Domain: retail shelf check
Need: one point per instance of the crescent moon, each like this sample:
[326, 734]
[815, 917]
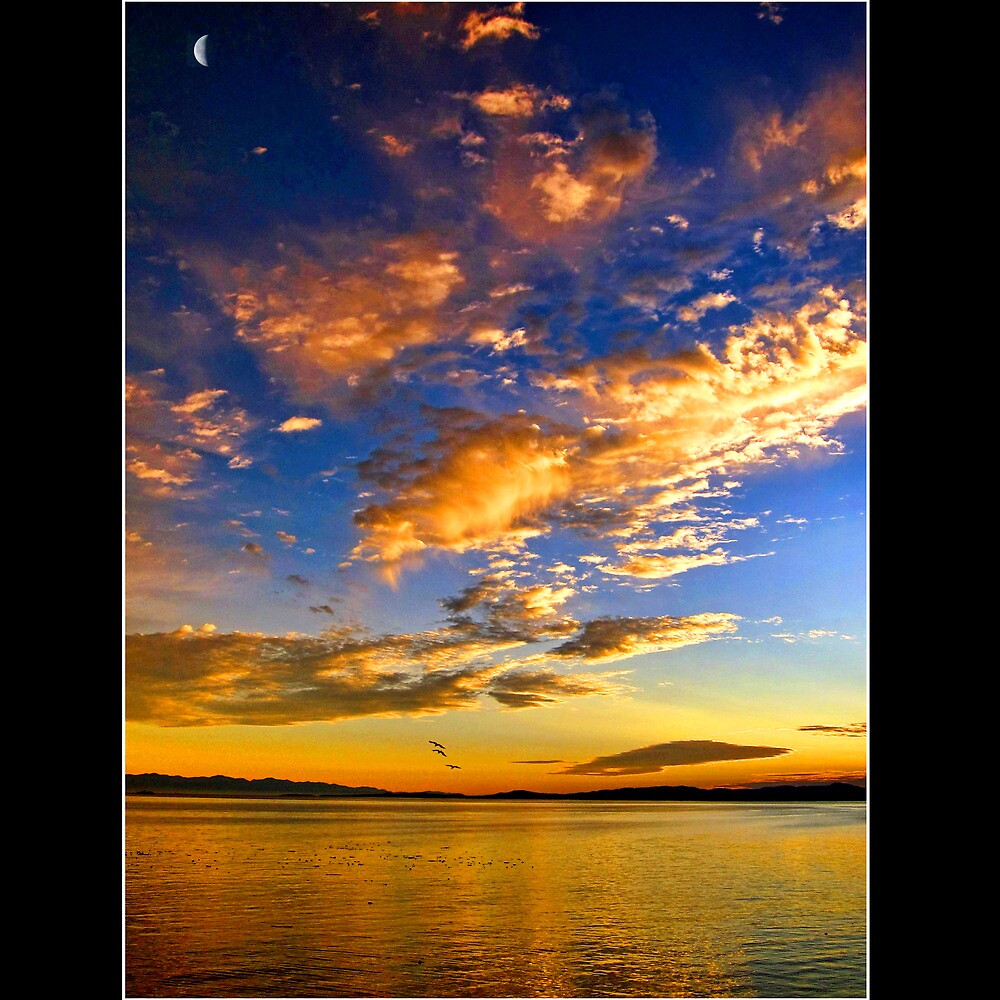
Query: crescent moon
[201, 50]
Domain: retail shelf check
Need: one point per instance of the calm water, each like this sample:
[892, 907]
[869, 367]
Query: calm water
[416, 898]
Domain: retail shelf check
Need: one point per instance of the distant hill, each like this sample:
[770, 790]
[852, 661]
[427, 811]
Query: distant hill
[834, 792]
[221, 786]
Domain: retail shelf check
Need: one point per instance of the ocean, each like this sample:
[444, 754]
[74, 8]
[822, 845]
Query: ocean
[354, 897]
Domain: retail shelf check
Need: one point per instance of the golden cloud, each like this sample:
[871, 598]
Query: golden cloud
[293, 424]
[655, 430]
[496, 25]
[451, 504]
[518, 101]
[611, 638]
[661, 567]
[200, 677]
[318, 321]
[166, 441]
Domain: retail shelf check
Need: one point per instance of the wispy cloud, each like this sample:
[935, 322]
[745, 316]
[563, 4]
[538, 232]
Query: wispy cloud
[496, 25]
[853, 729]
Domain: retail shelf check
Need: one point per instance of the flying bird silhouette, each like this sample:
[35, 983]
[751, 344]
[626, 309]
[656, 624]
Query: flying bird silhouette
[443, 754]
[434, 743]
[454, 767]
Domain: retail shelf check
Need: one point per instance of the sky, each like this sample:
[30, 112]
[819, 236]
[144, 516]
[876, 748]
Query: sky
[495, 375]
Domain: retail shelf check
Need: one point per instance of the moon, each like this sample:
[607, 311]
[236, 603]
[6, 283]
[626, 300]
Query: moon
[201, 50]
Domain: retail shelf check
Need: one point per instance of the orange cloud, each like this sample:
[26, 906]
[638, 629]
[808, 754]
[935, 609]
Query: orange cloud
[496, 25]
[396, 147]
[293, 424]
[166, 441]
[451, 504]
[204, 678]
[518, 101]
[813, 159]
[655, 430]
[610, 638]
[538, 196]
[201, 677]
[320, 321]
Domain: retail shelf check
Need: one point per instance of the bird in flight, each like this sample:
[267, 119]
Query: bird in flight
[454, 767]
[443, 754]
[435, 743]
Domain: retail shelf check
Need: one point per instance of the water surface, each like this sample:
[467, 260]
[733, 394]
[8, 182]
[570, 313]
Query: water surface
[423, 898]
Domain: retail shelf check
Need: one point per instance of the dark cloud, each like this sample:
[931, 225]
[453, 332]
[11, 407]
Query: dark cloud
[853, 729]
[679, 753]
[528, 689]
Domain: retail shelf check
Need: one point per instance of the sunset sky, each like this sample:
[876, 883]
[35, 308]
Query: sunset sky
[495, 375]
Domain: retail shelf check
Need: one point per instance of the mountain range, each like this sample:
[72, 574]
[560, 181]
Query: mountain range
[220, 785]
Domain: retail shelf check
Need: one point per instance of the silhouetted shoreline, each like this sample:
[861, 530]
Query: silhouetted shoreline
[221, 786]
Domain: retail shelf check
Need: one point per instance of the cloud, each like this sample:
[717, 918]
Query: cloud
[649, 433]
[498, 340]
[661, 567]
[517, 101]
[854, 729]
[710, 300]
[342, 313]
[680, 753]
[617, 638]
[533, 688]
[191, 678]
[496, 25]
[285, 537]
[853, 217]
[293, 424]
[813, 777]
[770, 12]
[396, 147]
[564, 197]
[160, 475]
[544, 187]
[496, 644]
[613, 159]
[167, 441]
[447, 503]
[810, 165]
